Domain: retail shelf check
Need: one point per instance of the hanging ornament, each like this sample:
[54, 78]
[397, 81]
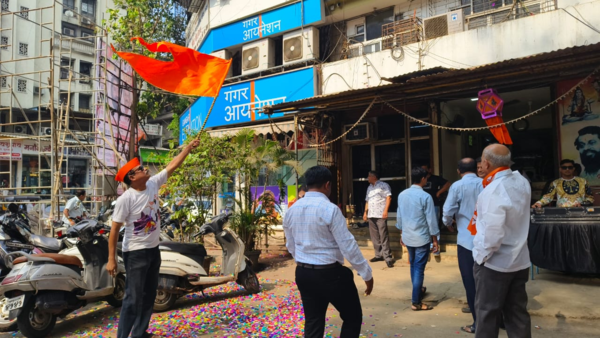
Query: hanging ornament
[490, 106]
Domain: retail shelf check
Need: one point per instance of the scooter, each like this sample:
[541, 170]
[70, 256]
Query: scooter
[185, 267]
[42, 287]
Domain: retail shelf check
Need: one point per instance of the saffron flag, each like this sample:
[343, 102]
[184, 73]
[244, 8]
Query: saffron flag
[190, 72]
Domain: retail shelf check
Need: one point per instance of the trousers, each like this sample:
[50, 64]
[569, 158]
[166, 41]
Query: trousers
[319, 288]
[380, 238]
[465, 265]
[142, 268]
[498, 294]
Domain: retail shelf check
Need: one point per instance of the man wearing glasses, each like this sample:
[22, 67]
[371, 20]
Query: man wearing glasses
[569, 190]
[137, 210]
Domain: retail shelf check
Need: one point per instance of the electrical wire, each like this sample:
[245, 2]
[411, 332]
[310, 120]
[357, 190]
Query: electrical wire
[581, 21]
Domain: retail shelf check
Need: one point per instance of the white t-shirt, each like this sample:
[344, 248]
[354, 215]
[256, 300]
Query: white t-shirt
[75, 207]
[139, 211]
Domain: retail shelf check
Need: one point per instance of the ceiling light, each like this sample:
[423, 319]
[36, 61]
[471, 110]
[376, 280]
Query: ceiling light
[475, 99]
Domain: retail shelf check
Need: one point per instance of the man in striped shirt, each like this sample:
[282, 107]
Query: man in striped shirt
[319, 240]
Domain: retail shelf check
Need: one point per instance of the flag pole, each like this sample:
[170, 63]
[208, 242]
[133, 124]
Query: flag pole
[213, 102]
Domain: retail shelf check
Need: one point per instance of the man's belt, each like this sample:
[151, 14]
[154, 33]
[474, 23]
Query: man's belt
[318, 267]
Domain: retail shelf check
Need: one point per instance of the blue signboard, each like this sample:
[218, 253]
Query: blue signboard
[263, 25]
[242, 102]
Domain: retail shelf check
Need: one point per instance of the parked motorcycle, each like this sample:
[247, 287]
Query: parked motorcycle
[185, 267]
[42, 287]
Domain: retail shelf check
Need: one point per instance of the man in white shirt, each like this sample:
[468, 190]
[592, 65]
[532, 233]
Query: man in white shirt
[74, 208]
[378, 199]
[319, 240]
[137, 209]
[500, 247]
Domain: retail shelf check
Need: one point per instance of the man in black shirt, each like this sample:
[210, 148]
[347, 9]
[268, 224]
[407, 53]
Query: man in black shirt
[436, 186]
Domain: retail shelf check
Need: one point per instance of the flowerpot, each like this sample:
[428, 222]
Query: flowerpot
[253, 257]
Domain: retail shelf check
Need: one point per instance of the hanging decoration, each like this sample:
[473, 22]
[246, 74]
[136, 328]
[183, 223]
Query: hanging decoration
[490, 106]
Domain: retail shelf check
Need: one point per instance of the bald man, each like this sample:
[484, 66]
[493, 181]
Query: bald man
[500, 247]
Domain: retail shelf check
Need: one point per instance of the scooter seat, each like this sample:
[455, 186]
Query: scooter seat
[184, 248]
[58, 258]
[46, 243]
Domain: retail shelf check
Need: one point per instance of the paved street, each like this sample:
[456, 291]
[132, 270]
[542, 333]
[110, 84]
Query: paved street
[561, 306]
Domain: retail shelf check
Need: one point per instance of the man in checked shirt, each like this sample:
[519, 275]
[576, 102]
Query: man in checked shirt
[319, 240]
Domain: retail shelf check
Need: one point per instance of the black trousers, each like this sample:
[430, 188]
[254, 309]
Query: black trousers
[141, 280]
[501, 293]
[318, 288]
[465, 265]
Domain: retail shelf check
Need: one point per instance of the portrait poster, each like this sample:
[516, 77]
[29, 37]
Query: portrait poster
[579, 126]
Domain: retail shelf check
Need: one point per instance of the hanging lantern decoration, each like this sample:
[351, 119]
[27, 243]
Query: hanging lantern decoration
[490, 107]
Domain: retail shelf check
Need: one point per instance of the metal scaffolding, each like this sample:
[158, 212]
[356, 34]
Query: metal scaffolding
[40, 83]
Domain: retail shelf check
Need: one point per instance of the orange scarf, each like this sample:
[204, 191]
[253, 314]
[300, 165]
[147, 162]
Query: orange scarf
[489, 178]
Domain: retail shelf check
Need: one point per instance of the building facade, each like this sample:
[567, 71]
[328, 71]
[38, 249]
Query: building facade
[389, 84]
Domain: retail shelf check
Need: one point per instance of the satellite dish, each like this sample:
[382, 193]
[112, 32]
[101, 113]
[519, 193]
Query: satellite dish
[70, 14]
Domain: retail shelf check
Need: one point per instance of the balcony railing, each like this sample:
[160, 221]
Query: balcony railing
[510, 11]
[401, 32]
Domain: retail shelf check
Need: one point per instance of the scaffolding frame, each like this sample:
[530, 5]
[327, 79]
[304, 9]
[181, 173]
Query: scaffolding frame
[73, 132]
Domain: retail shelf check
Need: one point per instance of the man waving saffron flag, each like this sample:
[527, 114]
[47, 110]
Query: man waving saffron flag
[190, 72]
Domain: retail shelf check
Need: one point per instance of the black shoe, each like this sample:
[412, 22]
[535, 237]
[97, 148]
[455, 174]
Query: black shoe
[376, 259]
[390, 264]
[466, 310]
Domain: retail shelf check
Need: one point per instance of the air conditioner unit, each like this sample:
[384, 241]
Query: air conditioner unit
[355, 51]
[258, 56]
[86, 21]
[45, 131]
[19, 129]
[225, 55]
[442, 25]
[68, 31]
[301, 45]
[371, 47]
[362, 132]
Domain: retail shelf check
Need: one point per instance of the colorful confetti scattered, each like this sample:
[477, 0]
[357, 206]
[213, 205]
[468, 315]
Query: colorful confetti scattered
[226, 310]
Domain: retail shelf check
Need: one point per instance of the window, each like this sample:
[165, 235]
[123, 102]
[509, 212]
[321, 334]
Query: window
[22, 86]
[23, 49]
[65, 66]
[70, 4]
[3, 82]
[24, 12]
[4, 42]
[360, 34]
[86, 33]
[376, 20]
[84, 103]
[87, 6]
[5, 5]
[33, 177]
[85, 71]
[74, 170]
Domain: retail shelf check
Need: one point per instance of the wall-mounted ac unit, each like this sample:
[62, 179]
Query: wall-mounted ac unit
[258, 56]
[86, 21]
[19, 129]
[354, 51]
[442, 25]
[301, 45]
[68, 31]
[362, 132]
[45, 131]
[225, 55]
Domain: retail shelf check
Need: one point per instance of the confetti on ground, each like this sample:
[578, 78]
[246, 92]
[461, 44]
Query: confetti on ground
[226, 310]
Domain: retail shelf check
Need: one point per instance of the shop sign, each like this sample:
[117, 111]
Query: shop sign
[33, 147]
[243, 102]
[152, 129]
[265, 24]
[13, 151]
[89, 172]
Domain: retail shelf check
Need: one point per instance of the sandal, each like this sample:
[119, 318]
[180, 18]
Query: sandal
[421, 307]
[468, 329]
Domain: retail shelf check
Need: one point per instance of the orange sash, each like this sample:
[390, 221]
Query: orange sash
[486, 181]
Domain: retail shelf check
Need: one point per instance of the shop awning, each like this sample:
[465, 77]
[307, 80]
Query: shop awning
[152, 155]
[545, 68]
[265, 128]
